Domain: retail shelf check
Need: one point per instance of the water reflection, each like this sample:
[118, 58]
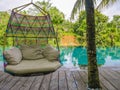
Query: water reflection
[78, 56]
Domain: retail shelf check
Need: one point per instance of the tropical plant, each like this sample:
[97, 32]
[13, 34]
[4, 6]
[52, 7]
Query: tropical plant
[114, 26]
[4, 17]
[101, 22]
[93, 77]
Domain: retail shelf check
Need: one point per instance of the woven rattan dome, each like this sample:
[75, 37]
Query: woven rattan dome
[30, 29]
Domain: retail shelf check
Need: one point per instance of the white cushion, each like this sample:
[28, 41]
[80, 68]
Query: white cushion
[13, 56]
[51, 53]
[33, 66]
[31, 52]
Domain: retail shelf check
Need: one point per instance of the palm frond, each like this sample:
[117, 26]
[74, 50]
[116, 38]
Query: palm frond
[105, 3]
[78, 6]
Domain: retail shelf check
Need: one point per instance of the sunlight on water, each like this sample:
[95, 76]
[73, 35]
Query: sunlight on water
[112, 62]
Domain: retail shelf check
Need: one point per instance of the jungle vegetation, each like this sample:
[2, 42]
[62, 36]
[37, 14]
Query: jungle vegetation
[107, 32]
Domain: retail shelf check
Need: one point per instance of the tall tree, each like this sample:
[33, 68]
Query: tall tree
[93, 77]
[91, 47]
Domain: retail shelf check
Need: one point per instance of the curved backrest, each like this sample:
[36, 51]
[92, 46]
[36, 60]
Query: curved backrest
[29, 29]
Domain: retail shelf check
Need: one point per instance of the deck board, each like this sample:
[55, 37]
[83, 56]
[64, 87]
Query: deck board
[105, 84]
[60, 80]
[54, 81]
[3, 76]
[19, 84]
[111, 79]
[5, 81]
[28, 83]
[115, 77]
[84, 75]
[80, 84]
[46, 82]
[70, 81]
[9, 85]
[37, 83]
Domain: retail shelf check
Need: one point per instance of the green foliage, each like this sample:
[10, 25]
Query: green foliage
[107, 33]
[4, 16]
[56, 16]
[101, 27]
[114, 31]
[80, 28]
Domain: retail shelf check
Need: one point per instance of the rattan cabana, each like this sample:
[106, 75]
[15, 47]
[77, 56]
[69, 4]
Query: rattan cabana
[30, 29]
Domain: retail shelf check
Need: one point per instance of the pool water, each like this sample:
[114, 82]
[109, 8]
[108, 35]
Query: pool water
[1, 61]
[78, 56]
[73, 56]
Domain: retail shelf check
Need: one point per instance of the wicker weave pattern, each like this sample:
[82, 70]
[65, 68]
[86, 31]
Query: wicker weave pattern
[30, 29]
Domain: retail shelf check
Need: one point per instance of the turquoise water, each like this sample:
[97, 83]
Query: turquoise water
[1, 61]
[78, 55]
[1, 57]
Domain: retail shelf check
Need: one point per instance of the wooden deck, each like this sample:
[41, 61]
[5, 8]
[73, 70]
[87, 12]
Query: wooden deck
[60, 80]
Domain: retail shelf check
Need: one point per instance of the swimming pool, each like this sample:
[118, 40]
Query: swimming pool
[1, 61]
[73, 56]
[78, 56]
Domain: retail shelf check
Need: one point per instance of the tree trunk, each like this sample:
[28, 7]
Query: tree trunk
[93, 76]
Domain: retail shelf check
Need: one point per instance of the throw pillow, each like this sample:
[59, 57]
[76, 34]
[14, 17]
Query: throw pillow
[13, 56]
[31, 52]
[51, 53]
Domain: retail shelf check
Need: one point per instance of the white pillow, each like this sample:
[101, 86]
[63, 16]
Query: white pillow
[31, 52]
[51, 53]
[13, 56]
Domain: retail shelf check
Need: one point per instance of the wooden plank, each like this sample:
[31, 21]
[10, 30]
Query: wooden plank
[115, 74]
[118, 71]
[3, 76]
[80, 84]
[19, 83]
[105, 84]
[70, 81]
[111, 74]
[54, 81]
[5, 81]
[62, 81]
[84, 76]
[11, 83]
[28, 83]
[111, 79]
[46, 82]
[37, 83]
[101, 84]
[1, 73]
